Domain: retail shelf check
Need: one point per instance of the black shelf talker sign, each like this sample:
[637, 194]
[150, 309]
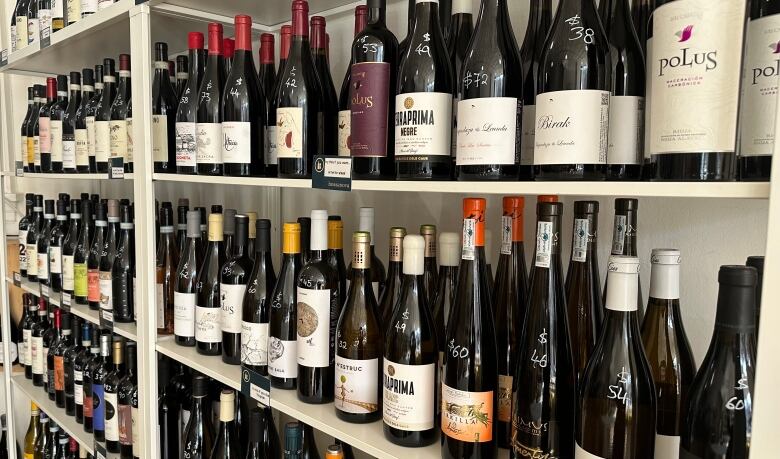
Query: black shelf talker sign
[256, 386]
[45, 37]
[116, 167]
[106, 319]
[17, 279]
[332, 173]
[19, 168]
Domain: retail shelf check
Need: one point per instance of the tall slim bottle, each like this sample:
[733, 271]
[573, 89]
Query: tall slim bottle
[118, 128]
[282, 327]
[539, 19]
[95, 253]
[187, 111]
[198, 435]
[100, 371]
[431, 276]
[81, 255]
[543, 390]
[69, 124]
[185, 296]
[126, 392]
[328, 98]
[33, 431]
[33, 232]
[336, 253]
[108, 254]
[227, 443]
[123, 271]
[163, 113]
[394, 275]
[209, 116]
[273, 95]
[167, 261]
[345, 114]
[232, 288]
[257, 303]
[208, 336]
[24, 226]
[111, 391]
[624, 240]
[470, 360]
[449, 258]
[56, 114]
[102, 110]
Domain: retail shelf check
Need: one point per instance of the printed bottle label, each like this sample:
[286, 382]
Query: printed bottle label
[759, 87]
[78, 387]
[369, 98]
[68, 151]
[579, 249]
[93, 285]
[80, 288]
[55, 260]
[272, 153]
[159, 291]
[289, 132]
[626, 129]
[695, 67]
[32, 256]
[468, 252]
[44, 134]
[33, 31]
[89, 6]
[160, 138]
[504, 398]
[112, 421]
[528, 137]
[67, 273]
[580, 453]
[24, 155]
[27, 338]
[666, 446]
[236, 142]
[355, 385]
[118, 139]
[467, 416]
[23, 250]
[345, 120]
[282, 358]
[619, 235]
[56, 140]
[543, 244]
[487, 131]
[254, 343]
[209, 141]
[125, 425]
[184, 314]
[186, 144]
[106, 291]
[21, 32]
[73, 11]
[506, 235]
[313, 327]
[129, 129]
[98, 407]
[90, 124]
[232, 298]
[407, 395]
[37, 355]
[571, 127]
[37, 150]
[207, 325]
[102, 141]
[423, 126]
[43, 265]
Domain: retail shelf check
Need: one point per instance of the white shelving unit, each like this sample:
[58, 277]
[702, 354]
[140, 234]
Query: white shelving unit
[133, 26]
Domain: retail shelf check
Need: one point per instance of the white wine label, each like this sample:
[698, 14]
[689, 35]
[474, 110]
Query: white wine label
[23, 250]
[56, 140]
[571, 127]
[184, 314]
[32, 259]
[112, 416]
[43, 265]
[355, 385]
[506, 235]
[207, 325]
[55, 260]
[78, 387]
[37, 355]
[160, 138]
[73, 11]
[21, 32]
[90, 124]
[487, 131]
[467, 416]
[232, 297]
[528, 137]
[759, 87]
[423, 125]
[69, 154]
[579, 249]
[407, 395]
[254, 343]
[106, 291]
[159, 290]
[282, 358]
[468, 252]
[544, 242]
[102, 141]
[626, 129]
[27, 338]
[236, 142]
[454, 135]
[209, 140]
[23, 150]
[289, 132]
[580, 453]
[89, 6]
[44, 134]
[619, 235]
[504, 398]
[129, 129]
[666, 446]
[33, 30]
[67, 273]
[273, 156]
[648, 100]
[314, 327]
[695, 67]
[345, 120]
[186, 144]
[118, 141]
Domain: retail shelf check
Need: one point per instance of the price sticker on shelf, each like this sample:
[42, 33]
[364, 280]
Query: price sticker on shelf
[19, 168]
[3, 58]
[100, 450]
[65, 301]
[116, 168]
[256, 386]
[45, 37]
[45, 291]
[17, 279]
[106, 319]
[332, 173]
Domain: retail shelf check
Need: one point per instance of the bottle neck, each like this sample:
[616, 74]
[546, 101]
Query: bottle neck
[584, 238]
[377, 12]
[665, 281]
[615, 13]
[548, 249]
[624, 234]
[736, 309]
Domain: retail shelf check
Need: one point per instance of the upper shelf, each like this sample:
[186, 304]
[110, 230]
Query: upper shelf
[41, 176]
[723, 190]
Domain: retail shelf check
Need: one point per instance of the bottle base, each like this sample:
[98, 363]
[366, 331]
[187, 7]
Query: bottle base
[568, 172]
[489, 173]
[695, 167]
[410, 439]
[755, 168]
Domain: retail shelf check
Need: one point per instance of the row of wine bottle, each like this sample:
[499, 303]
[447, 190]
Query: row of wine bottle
[470, 104]
[45, 439]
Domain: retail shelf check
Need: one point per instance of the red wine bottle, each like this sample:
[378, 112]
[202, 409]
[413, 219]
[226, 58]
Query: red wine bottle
[228, 52]
[123, 271]
[163, 113]
[33, 133]
[69, 124]
[490, 93]
[56, 113]
[85, 162]
[372, 101]
[284, 51]
[345, 115]
[267, 74]
[243, 109]
[209, 118]
[182, 74]
[460, 35]
[758, 263]
[300, 122]
[330, 102]
[118, 132]
[44, 128]
[187, 111]
[103, 117]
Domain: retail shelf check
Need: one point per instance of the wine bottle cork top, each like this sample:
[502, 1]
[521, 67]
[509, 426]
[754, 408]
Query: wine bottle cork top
[449, 249]
[665, 257]
[195, 40]
[547, 198]
[414, 255]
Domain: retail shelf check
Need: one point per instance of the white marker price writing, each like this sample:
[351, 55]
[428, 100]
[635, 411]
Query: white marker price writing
[460, 352]
[619, 391]
[540, 359]
[580, 32]
[424, 49]
[478, 79]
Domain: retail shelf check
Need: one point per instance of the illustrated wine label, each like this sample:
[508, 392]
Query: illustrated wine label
[580, 453]
[118, 139]
[89, 121]
[666, 446]
[467, 416]
[93, 285]
[56, 140]
[102, 141]
[59, 373]
[759, 86]
[106, 291]
[282, 358]
[313, 329]
[23, 250]
[32, 257]
[571, 127]
[98, 407]
[112, 412]
[619, 235]
[186, 144]
[626, 130]
[272, 155]
[468, 251]
[254, 343]
[355, 385]
[184, 314]
[344, 124]
[369, 101]
[695, 66]
[160, 138]
[209, 140]
[207, 325]
[544, 241]
[44, 134]
[236, 142]
[79, 279]
[579, 249]
[407, 396]
[488, 131]
[528, 136]
[33, 31]
[504, 398]
[423, 126]
[232, 296]
[289, 132]
[55, 260]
